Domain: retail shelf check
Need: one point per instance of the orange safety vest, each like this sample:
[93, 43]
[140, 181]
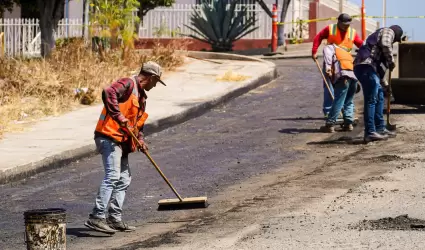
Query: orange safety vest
[344, 57]
[132, 110]
[335, 37]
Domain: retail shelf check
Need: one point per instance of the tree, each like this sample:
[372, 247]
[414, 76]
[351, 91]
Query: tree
[50, 13]
[147, 5]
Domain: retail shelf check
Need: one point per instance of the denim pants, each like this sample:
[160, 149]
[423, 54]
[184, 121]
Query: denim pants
[327, 97]
[373, 98]
[116, 181]
[344, 89]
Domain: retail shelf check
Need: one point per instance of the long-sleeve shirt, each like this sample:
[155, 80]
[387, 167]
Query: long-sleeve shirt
[324, 34]
[119, 92]
[331, 62]
[383, 49]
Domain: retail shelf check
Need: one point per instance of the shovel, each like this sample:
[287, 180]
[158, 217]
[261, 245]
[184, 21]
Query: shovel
[390, 127]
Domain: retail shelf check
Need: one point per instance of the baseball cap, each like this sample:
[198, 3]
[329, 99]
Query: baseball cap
[398, 32]
[345, 19]
[154, 69]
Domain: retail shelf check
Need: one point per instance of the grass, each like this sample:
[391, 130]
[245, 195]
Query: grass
[231, 76]
[36, 88]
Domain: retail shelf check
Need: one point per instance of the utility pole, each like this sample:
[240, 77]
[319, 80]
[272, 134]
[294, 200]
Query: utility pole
[384, 12]
[341, 6]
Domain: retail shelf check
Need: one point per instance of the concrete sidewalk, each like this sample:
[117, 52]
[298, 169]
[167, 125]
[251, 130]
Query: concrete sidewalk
[190, 91]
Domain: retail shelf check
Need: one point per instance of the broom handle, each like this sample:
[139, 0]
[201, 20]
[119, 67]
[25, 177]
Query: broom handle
[156, 166]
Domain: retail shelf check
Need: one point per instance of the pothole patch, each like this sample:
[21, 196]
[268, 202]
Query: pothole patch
[402, 222]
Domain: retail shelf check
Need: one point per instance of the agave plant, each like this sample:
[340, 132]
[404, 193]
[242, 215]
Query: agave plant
[218, 24]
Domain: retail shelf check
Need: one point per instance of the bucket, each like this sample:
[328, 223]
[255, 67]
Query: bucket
[45, 229]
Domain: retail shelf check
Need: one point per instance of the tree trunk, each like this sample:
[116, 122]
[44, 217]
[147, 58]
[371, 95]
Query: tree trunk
[50, 14]
[47, 40]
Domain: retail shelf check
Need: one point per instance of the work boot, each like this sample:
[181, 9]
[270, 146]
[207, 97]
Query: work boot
[100, 225]
[390, 134]
[375, 137]
[120, 226]
[347, 127]
[328, 128]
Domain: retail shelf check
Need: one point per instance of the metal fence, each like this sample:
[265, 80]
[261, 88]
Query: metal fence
[22, 37]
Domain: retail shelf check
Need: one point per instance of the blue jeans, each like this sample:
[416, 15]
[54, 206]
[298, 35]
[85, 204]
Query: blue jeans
[327, 97]
[116, 181]
[373, 98]
[344, 89]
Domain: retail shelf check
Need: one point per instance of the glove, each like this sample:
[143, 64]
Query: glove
[144, 147]
[391, 66]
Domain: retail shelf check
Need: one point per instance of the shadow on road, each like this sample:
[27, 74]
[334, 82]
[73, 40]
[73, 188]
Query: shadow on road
[413, 110]
[341, 140]
[308, 118]
[84, 233]
[298, 130]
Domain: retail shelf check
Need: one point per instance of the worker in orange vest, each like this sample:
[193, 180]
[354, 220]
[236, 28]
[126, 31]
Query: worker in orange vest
[345, 37]
[124, 107]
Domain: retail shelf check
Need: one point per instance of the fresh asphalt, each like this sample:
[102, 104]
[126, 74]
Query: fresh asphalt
[248, 136]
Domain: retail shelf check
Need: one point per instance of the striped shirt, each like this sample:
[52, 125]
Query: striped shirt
[384, 48]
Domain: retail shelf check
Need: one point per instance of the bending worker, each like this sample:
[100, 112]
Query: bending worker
[345, 37]
[339, 69]
[371, 63]
[124, 107]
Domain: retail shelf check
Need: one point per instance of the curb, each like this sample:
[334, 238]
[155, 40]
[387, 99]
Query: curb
[73, 155]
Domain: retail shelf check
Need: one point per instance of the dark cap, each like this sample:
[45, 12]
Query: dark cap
[398, 32]
[345, 19]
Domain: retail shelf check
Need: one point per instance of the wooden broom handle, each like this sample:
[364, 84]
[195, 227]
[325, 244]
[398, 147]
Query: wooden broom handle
[155, 165]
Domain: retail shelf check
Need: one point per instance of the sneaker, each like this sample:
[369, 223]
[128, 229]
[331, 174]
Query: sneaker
[375, 137]
[390, 134]
[99, 225]
[121, 226]
[347, 127]
[328, 128]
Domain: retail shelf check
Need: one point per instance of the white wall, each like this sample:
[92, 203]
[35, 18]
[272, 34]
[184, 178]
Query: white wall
[16, 12]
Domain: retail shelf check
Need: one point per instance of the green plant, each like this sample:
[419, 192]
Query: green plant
[114, 19]
[164, 30]
[220, 25]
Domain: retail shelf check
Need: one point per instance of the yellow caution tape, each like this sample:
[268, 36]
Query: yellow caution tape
[301, 21]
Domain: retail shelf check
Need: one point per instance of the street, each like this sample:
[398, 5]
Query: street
[260, 132]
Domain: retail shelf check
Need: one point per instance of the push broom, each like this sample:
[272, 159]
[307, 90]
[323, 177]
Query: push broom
[173, 204]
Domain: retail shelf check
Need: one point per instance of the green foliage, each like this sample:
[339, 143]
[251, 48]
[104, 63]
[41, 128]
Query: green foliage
[164, 30]
[114, 19]
[220, 25]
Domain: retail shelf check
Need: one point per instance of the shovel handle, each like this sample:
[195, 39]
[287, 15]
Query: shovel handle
[324, 78]
[389, 98]
[155, 165]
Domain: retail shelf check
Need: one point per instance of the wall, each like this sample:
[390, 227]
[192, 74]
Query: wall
[16, 12]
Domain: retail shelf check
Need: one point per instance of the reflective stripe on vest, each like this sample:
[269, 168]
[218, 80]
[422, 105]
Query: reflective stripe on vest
[131, 110]
[335, 38]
